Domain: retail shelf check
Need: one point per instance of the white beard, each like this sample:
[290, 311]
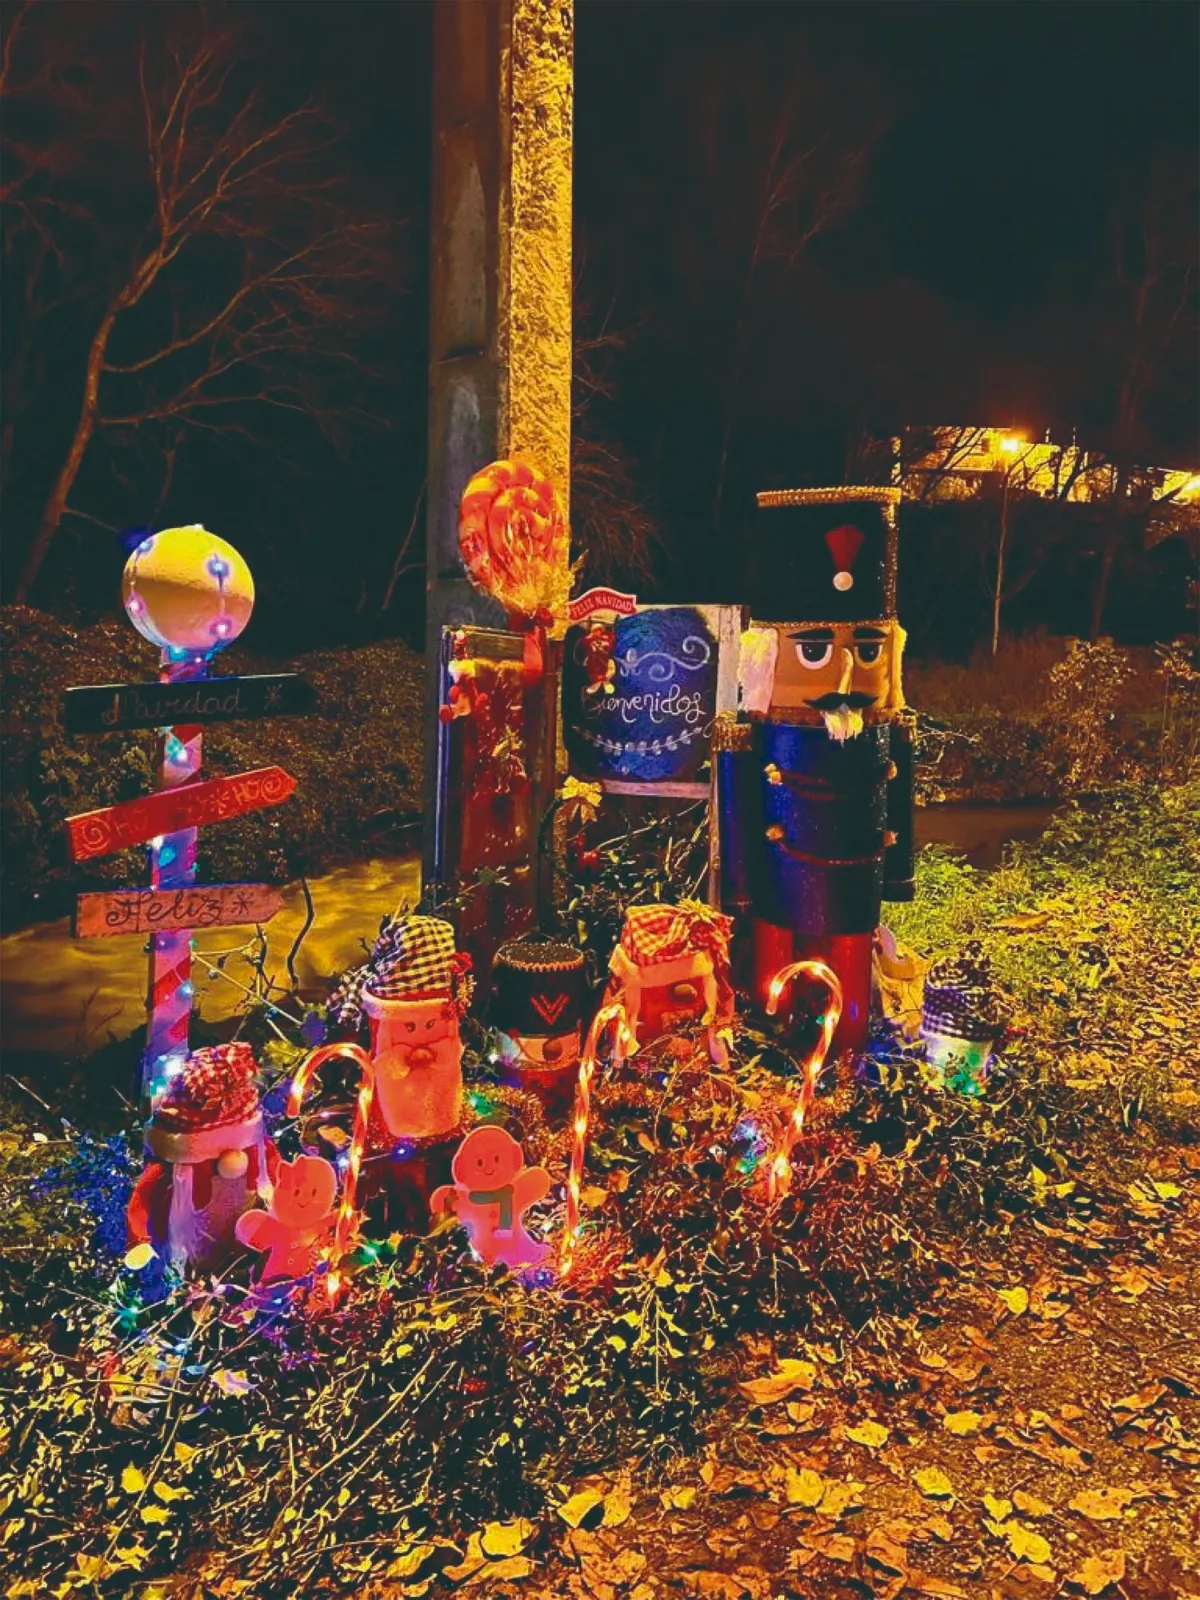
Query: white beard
[842, 724]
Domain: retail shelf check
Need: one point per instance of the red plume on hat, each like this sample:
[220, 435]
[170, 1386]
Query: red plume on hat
[844, 544]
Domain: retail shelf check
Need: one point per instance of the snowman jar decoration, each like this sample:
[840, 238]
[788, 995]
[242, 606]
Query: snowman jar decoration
[209, 1160]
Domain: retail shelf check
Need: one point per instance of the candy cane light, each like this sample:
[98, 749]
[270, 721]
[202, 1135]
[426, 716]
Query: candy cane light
[608, 1017]
[779, 1171]
[347, 1213]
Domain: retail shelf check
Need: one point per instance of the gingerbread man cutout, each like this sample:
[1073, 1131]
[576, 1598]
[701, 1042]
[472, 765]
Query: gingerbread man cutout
[492, 1188]
[301, 1218]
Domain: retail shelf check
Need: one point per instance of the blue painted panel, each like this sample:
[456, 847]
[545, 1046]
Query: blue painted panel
[655, 725]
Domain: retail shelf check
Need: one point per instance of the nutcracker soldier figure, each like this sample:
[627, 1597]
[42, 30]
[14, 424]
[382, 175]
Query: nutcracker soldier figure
[815, 779]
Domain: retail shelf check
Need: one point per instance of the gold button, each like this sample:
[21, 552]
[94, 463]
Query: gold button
[772, 772]
[889, 838]
[775, 833]
[893, 770]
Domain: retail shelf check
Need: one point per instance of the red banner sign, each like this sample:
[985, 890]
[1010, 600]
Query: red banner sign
[202, 905]
[100, 833]
[593, 600]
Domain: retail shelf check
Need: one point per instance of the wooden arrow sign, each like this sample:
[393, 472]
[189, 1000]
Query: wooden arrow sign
[203, 905]
[193, 805]
[110, 707]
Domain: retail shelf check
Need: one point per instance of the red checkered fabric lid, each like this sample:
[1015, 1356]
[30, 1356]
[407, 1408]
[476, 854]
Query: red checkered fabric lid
[420, 962]
[664, 933]
[215, 1088]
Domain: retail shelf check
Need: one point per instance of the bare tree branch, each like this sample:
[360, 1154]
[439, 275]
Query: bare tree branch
[250, 190]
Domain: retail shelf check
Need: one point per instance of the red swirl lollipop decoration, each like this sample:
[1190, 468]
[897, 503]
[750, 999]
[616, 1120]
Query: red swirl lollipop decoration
[515, 542]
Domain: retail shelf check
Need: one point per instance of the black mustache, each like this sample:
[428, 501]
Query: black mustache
[834, 701]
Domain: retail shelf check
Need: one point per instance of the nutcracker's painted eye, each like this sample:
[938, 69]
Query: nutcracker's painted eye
[411, 1026]
[430, 1024]
[867, 651]
[814, 652]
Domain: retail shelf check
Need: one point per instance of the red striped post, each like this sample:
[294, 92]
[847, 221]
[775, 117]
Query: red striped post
[172, 866]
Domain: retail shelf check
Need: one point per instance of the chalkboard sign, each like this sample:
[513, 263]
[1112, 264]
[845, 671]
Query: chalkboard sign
[654, 723]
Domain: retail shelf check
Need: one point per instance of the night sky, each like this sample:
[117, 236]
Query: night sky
[963, 288]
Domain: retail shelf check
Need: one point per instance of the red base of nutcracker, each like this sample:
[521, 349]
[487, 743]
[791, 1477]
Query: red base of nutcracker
[849, 955]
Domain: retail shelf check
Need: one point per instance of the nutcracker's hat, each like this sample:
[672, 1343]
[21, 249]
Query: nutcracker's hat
[824, 555]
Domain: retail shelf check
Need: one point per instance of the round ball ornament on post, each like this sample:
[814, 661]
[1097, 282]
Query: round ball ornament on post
[187, 591]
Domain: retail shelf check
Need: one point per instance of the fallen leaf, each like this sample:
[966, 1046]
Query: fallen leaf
[838, 1496]
[511, 1567]
[185, 1452]
[165, 1493]
[1097, 1572]
[801, 1411]
[934, 1483]
[1141, 1400]
[155, 1513]
[471, 1561]
[505, 1538]
[679, 1498]
[1030, 1504]
[869, 1433]
[579, 1506]
[997, 1507]
[1017, 1300]
[628, 1565]
[231, 1383]
[1167, 1191]
[132, 1555]
[1131, 1281]
[886, 1551]
[940, 1527]
[1025, 1544]
[409, 1562]
[931, 1358]
[141, 1255]
[804, 1487]
[714, 1585]
[790, 1375]
[1101, 1505]
[132, 1481]
[617, 1504]
[833, 1546]
[929, 1583]
[962, 1422]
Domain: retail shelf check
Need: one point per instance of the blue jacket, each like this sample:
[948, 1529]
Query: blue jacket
[816, 834]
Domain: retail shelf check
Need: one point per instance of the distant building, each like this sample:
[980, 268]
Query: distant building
[963, 463]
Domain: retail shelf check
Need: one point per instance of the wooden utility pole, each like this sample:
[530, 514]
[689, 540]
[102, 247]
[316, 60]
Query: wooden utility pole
[500, 281]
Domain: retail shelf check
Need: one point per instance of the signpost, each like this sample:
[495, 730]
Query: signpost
[212, 905]
[171, 811]
[110, 707]
[189, 593]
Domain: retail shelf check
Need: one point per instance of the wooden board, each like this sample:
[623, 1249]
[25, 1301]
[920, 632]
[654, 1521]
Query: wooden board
[205, 905]
[111, 707]
[100, 833]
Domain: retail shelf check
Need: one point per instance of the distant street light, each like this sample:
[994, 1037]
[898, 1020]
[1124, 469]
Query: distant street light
[1010, 443]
